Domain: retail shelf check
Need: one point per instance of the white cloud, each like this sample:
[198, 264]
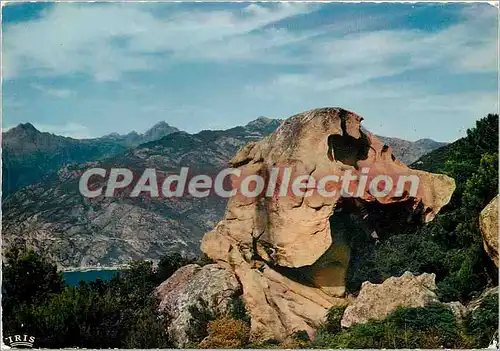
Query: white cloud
[359, 58]
[59, 93]
[108, 40]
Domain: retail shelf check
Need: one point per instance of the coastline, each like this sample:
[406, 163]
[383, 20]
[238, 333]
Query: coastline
[93, 268]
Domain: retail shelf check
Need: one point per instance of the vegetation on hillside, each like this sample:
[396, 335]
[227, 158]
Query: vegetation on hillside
[450, 246]
[119, 313]
[429, 327]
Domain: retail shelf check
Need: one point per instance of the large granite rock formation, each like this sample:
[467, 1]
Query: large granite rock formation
[291, 266]
[488, 222]
[377, 301]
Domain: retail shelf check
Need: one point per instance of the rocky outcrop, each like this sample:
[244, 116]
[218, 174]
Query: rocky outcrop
[210, 283]
[377, 301]
[488, 222]
[290, 264]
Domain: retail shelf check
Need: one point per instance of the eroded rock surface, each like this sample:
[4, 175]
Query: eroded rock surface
[488, 222]
[377, 301]
[282, 249]
[189, 284]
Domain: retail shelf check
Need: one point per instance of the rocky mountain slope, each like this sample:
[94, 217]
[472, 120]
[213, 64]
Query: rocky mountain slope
[76, 231]
[28, 154]
[410, 151]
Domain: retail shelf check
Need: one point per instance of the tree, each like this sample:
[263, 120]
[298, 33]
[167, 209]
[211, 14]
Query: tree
[27, 279]
[168, 265]
[119, 313]
[451, 245]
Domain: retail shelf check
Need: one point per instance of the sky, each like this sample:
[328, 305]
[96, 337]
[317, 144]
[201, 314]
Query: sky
[89, 69]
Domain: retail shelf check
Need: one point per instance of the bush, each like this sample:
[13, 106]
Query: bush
[300, 336]
[436, 320]
[119, 313]
[28, 279]
[298, 340]
[237, 308]
[168, 265]
[149, 331]
[201, 316]
[266, 344]
[333, 318]
[482, 322]
[226, 333]
[433, 326]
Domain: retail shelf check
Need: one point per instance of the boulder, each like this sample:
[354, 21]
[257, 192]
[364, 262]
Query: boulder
[290, 259]
[377, 301]
[211, 283]
[488, 222]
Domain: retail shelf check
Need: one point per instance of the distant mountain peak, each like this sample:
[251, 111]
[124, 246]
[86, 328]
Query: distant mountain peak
[161, 124]
[158, 131]
[264, 125]
[260, 121]
[132, 133]
[23, 128]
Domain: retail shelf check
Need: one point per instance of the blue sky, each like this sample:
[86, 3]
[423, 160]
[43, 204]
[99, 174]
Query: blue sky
[89, 69]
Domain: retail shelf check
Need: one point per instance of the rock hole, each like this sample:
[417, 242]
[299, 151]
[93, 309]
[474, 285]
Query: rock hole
[345, 148]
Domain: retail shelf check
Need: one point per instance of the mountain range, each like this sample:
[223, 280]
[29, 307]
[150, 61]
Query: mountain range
[29, 154]
[43, 208]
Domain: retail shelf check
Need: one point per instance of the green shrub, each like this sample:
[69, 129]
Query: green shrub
[436, 320]
[119, 313]
[332, 320]
[266, 344]
[433, 326]
[237, 308]
[201, 316]
[300, 335]
[482, 323]
[167, 266]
